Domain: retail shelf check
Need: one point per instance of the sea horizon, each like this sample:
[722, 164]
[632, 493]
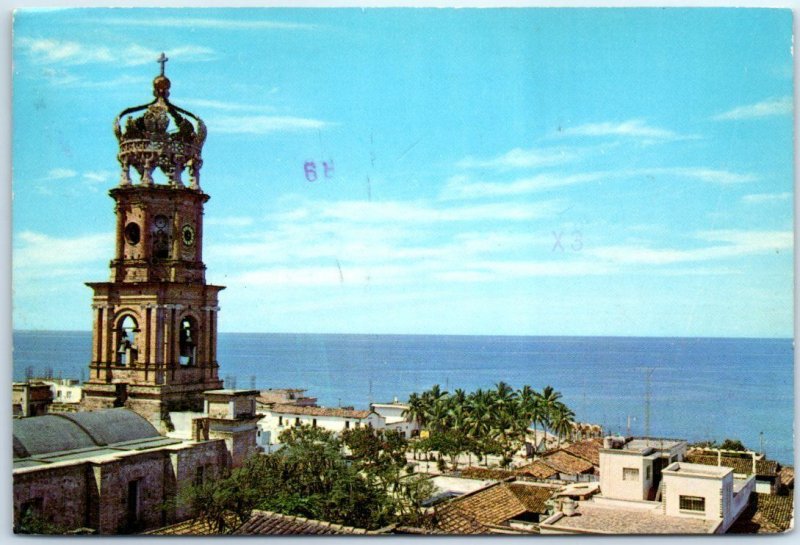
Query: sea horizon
[561, 336]
[709, 388]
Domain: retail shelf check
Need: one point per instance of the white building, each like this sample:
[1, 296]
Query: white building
[647, 488]
[705, 492]
[630, 469]
[396, 417]
[280, 417]
[67, 390]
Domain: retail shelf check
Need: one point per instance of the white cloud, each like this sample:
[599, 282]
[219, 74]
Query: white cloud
[230, 221]
[632, 128]
[46, 50]
[735, 244]
[197, 22]
[39, 254]
[462, 187]
[423, 212]
[263, 124]
[766, 197]
[717, 176]
[49, 51]
[522, 158]
[751, 241]
[134, 54]
[98, 176]
[766, 108]
[512, 270]
[225, 105]
[60, 174]
[64, 78]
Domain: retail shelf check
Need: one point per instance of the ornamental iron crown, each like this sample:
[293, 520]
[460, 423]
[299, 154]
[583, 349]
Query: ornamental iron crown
[164, 136]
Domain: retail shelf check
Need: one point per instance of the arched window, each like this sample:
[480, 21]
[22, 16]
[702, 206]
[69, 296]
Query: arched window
[126, 341]
[188, 341]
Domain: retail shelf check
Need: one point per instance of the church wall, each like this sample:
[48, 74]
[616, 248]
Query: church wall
[210, 455]
[57, 494]
[115, 476]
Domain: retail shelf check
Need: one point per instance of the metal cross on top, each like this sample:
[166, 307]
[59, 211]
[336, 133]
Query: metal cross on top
[162, 60]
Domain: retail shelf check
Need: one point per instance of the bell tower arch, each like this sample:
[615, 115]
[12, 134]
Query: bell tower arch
[155, 320]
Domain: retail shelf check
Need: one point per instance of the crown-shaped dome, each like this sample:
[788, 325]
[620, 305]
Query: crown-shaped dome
[162, 136]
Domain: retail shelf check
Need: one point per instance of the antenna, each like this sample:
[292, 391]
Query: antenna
[584, 397]
[648, 373]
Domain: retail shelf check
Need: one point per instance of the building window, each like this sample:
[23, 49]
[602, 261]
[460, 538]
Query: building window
[347, 424]
[314, 423]
[199, 476]
[630, 474]
[280, 421]
[133, 503]
[647, 473]
[692, 503]
[69, 395]
[297, 421]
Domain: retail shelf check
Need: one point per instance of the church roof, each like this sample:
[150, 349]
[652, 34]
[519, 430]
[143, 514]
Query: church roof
[70, 431]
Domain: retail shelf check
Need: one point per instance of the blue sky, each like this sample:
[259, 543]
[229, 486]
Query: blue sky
[522, 172]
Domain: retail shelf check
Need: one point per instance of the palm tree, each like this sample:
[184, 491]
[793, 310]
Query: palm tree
[432, 404]
[416, 409]
[477, 423]
[529, 401]
[549, 398]
[438, 412]
[561, 422]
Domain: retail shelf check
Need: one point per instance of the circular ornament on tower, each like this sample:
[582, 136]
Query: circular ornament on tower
[187, 234]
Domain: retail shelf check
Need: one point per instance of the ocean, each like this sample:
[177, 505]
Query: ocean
[698, 388]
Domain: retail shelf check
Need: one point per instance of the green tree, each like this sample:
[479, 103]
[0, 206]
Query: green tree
[733, 444]
[379, 454]
[309, 476]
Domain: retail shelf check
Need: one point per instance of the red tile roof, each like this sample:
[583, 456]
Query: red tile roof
[740, 464]
[588, 449]
[268, 523]
[199, 526]
[538, 470]
[766, 514]
[473, 472]
[566, 463]
[478, 512]
[318, 411]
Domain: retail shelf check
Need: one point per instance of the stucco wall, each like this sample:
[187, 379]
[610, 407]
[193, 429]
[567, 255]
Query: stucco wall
[711, 488]
[612, 484]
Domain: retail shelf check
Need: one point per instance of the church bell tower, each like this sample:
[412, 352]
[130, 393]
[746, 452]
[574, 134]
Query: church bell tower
[154, 346]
